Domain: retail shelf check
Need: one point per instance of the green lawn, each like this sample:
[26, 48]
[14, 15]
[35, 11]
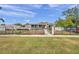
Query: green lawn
[38, 45]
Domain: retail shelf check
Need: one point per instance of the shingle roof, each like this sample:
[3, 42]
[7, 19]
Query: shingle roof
[41, 23]
[10, 26]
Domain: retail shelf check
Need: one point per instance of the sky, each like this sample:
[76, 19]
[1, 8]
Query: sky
[32, 13]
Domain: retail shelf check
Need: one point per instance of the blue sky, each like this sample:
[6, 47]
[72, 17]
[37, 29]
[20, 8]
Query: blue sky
[32, 13]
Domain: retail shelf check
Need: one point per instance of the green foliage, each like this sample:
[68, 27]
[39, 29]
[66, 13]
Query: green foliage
[66, 22]
[74, 12]
[22, 25]
[0, 7]
[18, 24]
[72, 15]
[60, 23]
[2, 19]
[69, 21]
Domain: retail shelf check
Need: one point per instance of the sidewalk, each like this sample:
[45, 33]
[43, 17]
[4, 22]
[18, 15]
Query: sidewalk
[41, 35]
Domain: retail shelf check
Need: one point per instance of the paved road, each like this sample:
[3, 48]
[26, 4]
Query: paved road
[41, 35]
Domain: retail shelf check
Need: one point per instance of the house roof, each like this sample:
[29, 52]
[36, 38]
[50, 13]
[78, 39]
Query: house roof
[19, 27]
[41, 23]
[11, 26]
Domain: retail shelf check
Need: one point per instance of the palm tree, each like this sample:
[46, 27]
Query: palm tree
[2, 19]
[0, 7]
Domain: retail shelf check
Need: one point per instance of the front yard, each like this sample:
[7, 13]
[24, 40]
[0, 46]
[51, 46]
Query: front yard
[39, 45]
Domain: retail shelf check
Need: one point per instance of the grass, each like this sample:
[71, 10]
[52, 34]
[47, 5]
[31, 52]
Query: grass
[39, 45]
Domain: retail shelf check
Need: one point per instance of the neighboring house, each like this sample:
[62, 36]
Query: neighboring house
[2, 27]
[9, 27]
[15, 27]
[39, 28]
[41, 25]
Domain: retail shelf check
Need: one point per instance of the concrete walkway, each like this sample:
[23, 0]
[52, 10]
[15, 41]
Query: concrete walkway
[40, 35]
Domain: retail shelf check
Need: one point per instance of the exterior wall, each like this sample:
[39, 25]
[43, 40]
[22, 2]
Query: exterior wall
[37, 26]
[2, 28]
[59, 28]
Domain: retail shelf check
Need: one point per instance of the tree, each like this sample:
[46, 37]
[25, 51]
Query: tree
[2, 19]
[18, 24]
[65, 22]
[74, 12]
[0, 7]
[60, 23]
[27, 24]
[69, 22]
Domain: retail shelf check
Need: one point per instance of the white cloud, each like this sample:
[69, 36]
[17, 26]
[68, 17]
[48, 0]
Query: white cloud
[28, 20]
[17, 11]
[7, 6]
[36, 5]
[8, 13]
[72, 5]
[20, 14]
[53, 5]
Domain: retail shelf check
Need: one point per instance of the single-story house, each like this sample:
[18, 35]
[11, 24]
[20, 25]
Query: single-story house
[2, 27]
[40, 26]
[15, 27]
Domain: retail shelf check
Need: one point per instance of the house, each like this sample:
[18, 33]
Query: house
[41, 25]
[9, 27]
[2, 27]
[15, 27]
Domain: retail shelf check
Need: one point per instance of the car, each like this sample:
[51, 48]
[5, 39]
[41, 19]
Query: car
[73, 29]
[77, 29]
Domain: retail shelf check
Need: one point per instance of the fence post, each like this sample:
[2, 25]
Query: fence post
[53, 28]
